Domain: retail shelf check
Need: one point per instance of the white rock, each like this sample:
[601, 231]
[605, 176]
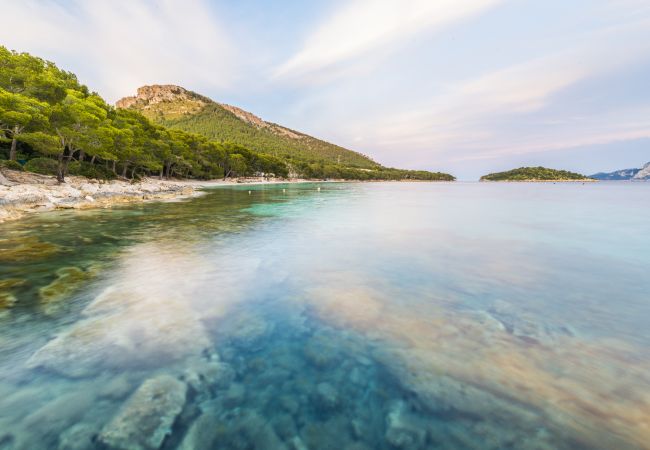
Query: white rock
[147, 417]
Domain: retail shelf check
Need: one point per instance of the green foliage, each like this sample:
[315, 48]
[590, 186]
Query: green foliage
[12, 165]
[44, 166]
[88, 170]
[533, 174]
[216, 122]
[45, 111]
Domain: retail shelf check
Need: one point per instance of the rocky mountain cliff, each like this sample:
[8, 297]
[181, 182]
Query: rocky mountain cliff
[643, 173]
[624, 174]
[149, 98]
[176, 107]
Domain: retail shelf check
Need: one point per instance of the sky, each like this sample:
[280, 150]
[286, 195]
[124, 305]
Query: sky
[463, 86]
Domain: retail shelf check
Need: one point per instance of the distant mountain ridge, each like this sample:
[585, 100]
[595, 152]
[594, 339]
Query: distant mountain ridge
[176, 107]
[625, 174]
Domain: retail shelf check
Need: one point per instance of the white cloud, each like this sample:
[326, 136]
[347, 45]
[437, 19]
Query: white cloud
[365, 25]
[117, 45]
[518, 109]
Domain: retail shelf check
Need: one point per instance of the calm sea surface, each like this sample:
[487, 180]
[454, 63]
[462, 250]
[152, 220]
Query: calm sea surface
[357, 316]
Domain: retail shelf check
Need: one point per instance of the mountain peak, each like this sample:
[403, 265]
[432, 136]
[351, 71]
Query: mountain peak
[176, 107]
[174, 101]
[643, 173]
[154, 94]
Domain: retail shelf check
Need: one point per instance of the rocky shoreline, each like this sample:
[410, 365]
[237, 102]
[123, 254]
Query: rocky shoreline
[23, 193]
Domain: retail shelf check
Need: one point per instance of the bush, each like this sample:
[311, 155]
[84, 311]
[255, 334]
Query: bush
[44, 166]
[8, 164]
[88, 170]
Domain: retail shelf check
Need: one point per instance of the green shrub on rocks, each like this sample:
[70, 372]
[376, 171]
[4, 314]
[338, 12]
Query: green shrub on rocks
[44, 166]
[12, 165]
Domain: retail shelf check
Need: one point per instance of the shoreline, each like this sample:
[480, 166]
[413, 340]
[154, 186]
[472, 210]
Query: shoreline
[33, 193]
[587, 180]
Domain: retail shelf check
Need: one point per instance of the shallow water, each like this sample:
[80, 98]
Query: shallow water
[357, 316]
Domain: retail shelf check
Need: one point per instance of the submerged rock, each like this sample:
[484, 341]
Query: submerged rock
[403, 430]
[247, 429]
[247, 330]
[204, 376]
[11, 283]
[331, 434]
[235, 395]
[284, 426]
[7, 300]
[203, 434]
[327, 397]
[78, 437]
[116, 388]
[26, 248]
[55, 416]
[124, 332]
[147, 417]
[320, 352]
[68, 280]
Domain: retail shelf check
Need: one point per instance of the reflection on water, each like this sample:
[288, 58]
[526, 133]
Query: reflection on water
[365, 316]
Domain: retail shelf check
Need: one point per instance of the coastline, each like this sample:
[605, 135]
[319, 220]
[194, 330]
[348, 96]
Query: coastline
[587, 180]
[31, 193]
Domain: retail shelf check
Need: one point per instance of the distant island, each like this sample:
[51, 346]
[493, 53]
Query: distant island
[535, 174]
[625, 174]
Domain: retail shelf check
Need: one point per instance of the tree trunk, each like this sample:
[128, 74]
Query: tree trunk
[161, 172]
[14, 142]
[60, 170]
[82, 155]
[133, 172]
[92, 160]
[126, 165]
[168, 169]
[114, 170]
[66, 161]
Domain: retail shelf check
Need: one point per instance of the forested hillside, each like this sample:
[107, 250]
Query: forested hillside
[52, 124]
[178, 108]
[534, 174]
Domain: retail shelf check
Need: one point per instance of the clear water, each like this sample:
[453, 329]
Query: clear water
[360, 316]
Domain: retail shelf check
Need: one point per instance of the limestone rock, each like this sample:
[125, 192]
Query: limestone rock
[643, 174]
[203, 434]
[147, 417]
[77, 437]
[125, 327]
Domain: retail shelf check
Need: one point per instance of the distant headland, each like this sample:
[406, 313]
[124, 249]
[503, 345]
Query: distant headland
[533, 174]
[641, 174]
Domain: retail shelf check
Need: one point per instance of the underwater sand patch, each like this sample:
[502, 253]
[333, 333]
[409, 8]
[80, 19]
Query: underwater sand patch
[462, 363]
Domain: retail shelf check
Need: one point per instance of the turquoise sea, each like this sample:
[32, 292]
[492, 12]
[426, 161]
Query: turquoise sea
[332, 316]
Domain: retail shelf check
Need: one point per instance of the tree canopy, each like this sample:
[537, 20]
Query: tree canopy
[46, 112]
[533, 174]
